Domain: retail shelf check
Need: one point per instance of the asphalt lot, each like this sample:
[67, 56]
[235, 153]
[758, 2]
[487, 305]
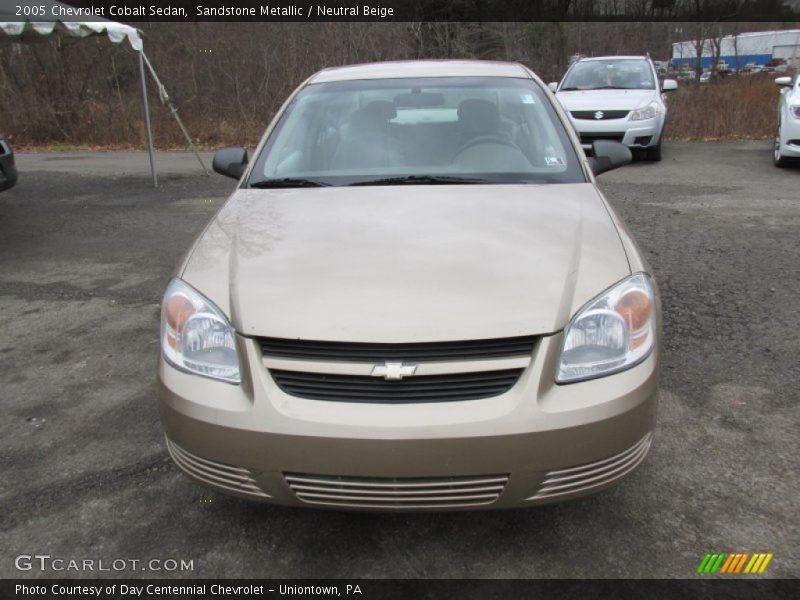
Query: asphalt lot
[86, 248]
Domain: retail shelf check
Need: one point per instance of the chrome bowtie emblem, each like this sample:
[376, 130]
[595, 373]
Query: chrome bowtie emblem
[393, 371]
[598, 115]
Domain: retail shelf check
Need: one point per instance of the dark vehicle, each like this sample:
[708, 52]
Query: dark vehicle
[776, 65]
[8, 172]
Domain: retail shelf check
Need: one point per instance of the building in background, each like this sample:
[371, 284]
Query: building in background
[741, 51]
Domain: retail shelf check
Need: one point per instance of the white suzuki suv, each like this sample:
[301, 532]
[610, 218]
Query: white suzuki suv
[787, 138]
[616, 98]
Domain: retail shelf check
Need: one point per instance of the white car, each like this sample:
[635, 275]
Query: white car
[616, 98]
[787, 137]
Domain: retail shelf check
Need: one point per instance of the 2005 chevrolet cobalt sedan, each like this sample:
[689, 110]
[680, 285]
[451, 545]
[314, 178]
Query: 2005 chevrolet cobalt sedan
[415, 299]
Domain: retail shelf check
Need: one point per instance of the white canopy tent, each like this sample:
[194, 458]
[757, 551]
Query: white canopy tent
[117, 33]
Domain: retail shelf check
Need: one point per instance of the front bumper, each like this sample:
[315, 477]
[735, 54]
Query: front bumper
[537, 443]
[790, 137]
[634, 134]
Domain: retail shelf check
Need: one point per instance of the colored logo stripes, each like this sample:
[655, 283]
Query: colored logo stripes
[734, 562]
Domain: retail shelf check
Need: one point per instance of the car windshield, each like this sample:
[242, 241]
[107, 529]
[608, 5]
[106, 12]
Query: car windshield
[616, 74]
[449, 130]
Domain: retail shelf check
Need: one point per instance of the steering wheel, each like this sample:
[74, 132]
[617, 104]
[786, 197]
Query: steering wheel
[489, 138]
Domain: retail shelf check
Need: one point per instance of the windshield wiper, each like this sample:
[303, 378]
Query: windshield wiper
[600, 87]
[287, 182]
[422, 180]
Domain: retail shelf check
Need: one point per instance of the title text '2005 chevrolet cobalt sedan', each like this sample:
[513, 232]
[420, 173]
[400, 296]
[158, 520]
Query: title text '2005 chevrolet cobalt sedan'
[416, 299]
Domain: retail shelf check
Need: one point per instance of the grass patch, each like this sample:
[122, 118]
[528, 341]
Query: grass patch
[731, 108]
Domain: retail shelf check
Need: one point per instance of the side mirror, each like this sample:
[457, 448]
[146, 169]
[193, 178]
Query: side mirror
[669, 85]
[552, 86]
[783, 81]
[608, 155]
[231, 162]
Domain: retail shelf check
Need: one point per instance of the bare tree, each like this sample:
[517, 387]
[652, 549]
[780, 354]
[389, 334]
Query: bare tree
[228, 79]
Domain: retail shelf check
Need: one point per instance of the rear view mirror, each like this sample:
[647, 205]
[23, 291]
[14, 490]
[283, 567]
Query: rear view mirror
[231, 162]
[419, 100]
[783, 81]
[608, 155]
[669, 85]
[552, 86]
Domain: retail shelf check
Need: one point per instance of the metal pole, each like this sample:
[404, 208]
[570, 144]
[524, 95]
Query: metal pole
[162, 93]
[147, 120]
[192, 147]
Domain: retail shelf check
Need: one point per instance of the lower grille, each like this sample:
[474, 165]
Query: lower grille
[215, 474]
[592, 115]
[588, 138]
[452, 387]
[367, 492]
[583, 478]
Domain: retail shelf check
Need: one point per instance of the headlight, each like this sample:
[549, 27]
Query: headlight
[195, 335]
[614, 332]
[646, 112]
[795, 110]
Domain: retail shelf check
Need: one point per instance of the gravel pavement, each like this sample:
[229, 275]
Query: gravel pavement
[87, 246]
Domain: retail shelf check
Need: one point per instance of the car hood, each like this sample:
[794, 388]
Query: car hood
[407, 263]
[605, 99]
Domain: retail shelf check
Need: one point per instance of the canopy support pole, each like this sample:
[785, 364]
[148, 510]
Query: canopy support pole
[165, 99]
[147, 120]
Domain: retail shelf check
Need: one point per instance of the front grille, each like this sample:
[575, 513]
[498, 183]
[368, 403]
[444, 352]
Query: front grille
[413, 352]
[390, 493]
[606, 114]
[588, 138]
[452, 387]
[584, 478]
[215, 474]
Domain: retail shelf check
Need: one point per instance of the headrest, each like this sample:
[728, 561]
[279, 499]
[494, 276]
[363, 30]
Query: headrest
[380, 110]
[477, 114]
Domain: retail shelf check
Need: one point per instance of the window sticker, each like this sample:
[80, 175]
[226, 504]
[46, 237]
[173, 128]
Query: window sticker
[554, 161]
[527, 99]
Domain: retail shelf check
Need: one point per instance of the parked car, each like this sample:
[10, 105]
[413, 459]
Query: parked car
[786, 151]
[777, 65]
[705, 77]
[724, 69]
[662, 66]
[753, 68]
[416, 298]
[616, 98]
[8, 171]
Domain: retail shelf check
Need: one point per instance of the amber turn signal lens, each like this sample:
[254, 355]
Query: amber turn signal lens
[636, 308]
[176, 312]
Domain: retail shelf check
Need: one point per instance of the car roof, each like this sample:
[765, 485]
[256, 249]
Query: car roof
[421, 68]
[613, 58]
